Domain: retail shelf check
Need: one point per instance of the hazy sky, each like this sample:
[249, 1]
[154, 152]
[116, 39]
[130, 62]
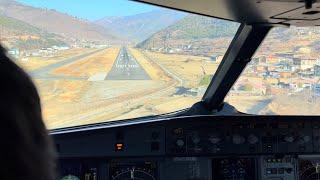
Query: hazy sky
[92, 9]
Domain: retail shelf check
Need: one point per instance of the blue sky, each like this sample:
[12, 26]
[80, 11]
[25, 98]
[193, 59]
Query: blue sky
[92, 9]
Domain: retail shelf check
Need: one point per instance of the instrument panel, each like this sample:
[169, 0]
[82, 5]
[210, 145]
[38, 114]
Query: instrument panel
[269, 167]
[133, 170]
[234, 168]
[195, 148]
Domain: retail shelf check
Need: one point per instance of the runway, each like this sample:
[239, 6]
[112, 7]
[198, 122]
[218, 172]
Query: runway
[44, 72]
[126, 67]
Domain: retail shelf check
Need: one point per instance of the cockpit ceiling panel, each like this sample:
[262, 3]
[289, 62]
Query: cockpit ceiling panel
[291, 12]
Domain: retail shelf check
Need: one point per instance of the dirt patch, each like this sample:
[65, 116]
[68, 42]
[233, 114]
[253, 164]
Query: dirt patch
[299, 104]
[91, 65]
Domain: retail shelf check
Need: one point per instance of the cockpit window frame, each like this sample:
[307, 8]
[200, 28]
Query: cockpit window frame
[239, 53]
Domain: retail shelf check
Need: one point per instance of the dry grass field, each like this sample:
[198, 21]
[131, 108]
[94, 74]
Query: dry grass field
[243, 103]
[33, 63]
[291, 105]
[189, 68]
[154, 71]
[84, 102]
[71, 102]
[93, 64]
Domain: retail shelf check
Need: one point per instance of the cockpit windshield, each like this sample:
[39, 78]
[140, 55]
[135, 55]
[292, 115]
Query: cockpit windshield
[283, 78]
[98, 61]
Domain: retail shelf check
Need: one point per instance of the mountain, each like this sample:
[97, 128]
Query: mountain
[141, 26]
[18, 34]
[193, 34]
[55, 22]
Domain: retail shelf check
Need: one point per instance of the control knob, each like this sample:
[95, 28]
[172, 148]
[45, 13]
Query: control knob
[180, 143]
[195, 139]
[304, 139]
[289, 138]
[252, 139]
[214, 139]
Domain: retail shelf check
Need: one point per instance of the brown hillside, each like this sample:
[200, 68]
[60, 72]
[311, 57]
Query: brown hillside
[55, 22]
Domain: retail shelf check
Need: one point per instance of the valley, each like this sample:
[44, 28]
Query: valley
[151, 63]
[84, 98]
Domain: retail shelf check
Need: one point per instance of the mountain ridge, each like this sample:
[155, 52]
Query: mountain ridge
[134, 27]
[194, 34]
[55, 22]
[16, 33]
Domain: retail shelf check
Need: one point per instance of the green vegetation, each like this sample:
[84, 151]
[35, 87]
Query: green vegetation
[193, 30]
[17, 25]
[198, 27]
[18, 28]
[246, 87]
[37, 43]
[205, 80]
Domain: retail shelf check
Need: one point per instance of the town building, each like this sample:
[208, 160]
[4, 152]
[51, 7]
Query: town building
[307, 63]
[317, 70]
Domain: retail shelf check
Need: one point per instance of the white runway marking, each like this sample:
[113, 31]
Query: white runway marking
[98, 77]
